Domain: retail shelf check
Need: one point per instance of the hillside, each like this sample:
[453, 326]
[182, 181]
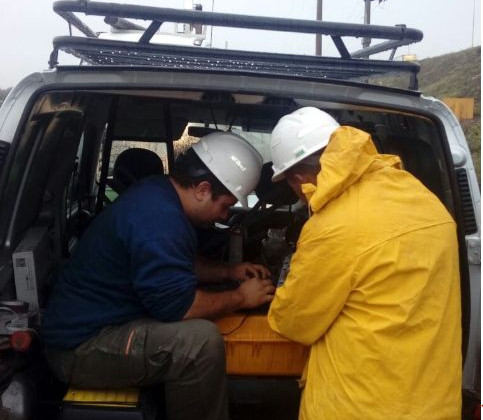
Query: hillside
[457, 75]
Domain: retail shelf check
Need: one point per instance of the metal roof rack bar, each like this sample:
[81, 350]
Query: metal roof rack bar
[122, 24]
[104, 52]
[383, 46]
[150, 31]
[399, 34]
[75, 21]
[113, 53]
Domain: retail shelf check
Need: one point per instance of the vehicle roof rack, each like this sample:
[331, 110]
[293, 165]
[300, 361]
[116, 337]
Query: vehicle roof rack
[350, 65]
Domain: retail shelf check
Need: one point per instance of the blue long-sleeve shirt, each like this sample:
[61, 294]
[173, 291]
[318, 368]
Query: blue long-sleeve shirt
[135, 260]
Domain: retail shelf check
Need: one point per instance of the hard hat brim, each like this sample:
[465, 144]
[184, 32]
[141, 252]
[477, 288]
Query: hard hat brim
[276, 177]
[244, 202]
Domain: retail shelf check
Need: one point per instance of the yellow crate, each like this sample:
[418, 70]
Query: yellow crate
[252, 348]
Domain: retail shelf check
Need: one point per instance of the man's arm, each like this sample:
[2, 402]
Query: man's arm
[210, 271]
[314, 292]
[251, 293]
[213, 271]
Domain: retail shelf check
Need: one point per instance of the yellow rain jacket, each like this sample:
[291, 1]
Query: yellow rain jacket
[374, 289]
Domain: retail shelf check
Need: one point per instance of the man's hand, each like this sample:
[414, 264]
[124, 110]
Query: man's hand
[256, 292]
[245, 270]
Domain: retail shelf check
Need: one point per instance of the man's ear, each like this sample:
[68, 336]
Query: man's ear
[300, 178]
[296, 179]
[202, 191]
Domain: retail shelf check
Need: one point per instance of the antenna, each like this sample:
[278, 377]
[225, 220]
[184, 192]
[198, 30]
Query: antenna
[473, 29]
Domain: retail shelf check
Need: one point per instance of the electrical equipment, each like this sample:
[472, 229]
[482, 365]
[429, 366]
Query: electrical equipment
[31, 262]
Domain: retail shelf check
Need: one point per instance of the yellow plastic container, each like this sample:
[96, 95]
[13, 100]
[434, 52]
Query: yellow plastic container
[252, 348]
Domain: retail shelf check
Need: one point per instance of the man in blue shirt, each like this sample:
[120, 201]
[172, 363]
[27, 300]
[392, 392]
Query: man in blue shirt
[127, 311]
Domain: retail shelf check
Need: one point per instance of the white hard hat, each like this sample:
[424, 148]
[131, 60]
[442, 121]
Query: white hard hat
[234, 161]
[298, 135]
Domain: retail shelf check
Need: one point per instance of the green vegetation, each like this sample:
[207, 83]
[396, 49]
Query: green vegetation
[3, 94]
[457, 75]
[472, 129]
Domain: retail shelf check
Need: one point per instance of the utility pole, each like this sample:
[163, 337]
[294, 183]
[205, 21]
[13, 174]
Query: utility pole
[211, 28]
[367, 20]
[318, 37]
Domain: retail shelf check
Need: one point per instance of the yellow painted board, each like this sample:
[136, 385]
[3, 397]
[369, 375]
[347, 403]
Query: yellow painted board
[105, 397]
[463, 108]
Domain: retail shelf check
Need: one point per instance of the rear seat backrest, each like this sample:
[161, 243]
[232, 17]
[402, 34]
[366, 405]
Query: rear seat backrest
[133, 165]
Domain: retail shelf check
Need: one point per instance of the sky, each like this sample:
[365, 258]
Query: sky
[27, 27]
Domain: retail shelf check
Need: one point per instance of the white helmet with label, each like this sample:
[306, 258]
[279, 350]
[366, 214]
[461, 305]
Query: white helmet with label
[234, 161]
[298, 135]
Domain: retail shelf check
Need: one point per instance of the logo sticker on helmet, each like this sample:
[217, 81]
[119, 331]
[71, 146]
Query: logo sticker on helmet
[238, 163]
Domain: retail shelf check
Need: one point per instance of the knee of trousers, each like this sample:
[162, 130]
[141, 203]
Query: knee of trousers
[209, 334]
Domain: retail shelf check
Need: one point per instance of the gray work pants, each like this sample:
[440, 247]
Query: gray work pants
[187, 356]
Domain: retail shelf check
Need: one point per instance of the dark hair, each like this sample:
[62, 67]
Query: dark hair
[189, 171]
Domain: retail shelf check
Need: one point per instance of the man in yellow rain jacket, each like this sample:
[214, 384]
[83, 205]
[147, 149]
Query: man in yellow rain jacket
[373, 286]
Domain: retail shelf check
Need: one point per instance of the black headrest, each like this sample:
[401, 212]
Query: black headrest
[134, 164]
[275, 193]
